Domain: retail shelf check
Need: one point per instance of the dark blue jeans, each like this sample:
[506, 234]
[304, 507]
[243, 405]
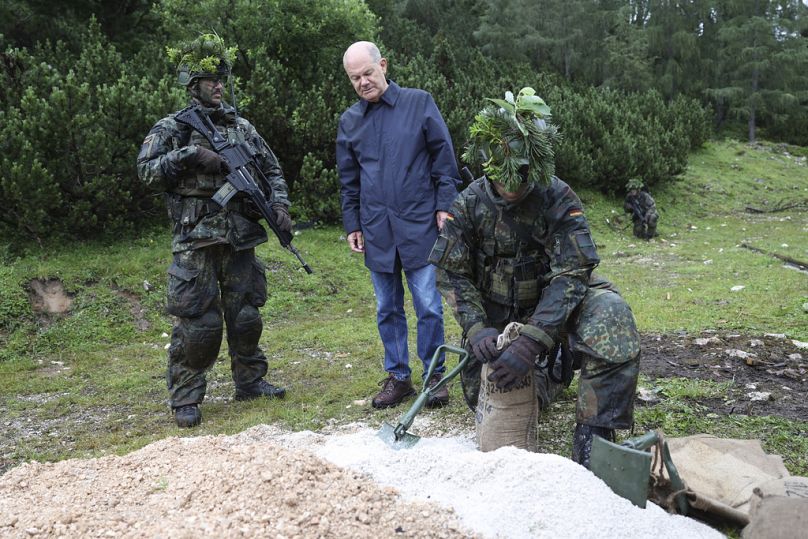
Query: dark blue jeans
[392, 321]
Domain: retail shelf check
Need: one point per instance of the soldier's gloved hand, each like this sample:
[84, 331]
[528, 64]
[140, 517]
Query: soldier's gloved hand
[205, 160]
[515, 362]
[484, 345]
[282, 217]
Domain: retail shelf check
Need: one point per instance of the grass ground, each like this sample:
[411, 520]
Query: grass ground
[91, 382]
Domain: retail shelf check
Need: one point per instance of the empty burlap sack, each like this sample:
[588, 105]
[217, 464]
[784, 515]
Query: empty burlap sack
[507, 417]
[725, 470]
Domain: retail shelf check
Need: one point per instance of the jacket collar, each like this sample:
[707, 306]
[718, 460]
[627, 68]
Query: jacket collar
[389, 97]
[499, 201]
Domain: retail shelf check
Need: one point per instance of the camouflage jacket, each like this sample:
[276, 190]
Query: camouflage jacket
[198, 221]
[533, 269]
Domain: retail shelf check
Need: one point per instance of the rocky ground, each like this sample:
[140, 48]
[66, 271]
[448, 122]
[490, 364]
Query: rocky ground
[767, 374]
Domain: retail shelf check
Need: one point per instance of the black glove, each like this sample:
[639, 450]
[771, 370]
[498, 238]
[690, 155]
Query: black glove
[282, 217]
[484, 345]
[205, 160]
[515, 362]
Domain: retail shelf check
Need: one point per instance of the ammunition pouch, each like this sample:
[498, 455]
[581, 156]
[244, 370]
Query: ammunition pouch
[187, 211]
[515, 282]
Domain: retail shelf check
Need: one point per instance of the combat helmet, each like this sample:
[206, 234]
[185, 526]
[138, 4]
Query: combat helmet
[634, 183]
[204, 57]
[512, 140]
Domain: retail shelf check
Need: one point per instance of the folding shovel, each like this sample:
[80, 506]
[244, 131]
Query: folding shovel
[397, 437]
[626, 468]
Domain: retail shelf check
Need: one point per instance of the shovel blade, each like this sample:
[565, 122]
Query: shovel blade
[387, 433]
[627, 471]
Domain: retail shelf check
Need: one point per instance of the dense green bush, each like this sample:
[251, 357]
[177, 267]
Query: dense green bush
[72, 115]
[71, 130]
[610, 137]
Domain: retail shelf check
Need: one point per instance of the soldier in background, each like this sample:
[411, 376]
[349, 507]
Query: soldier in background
[215, 277]
[640, 204]
[517, 248]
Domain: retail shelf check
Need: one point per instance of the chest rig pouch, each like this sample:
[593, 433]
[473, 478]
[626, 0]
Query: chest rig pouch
[190, 200]
[511, 265]
[197, 183]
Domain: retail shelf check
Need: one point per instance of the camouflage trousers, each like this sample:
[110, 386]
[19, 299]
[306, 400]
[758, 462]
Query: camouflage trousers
[645, 228]
[209, 288]
[604, 344]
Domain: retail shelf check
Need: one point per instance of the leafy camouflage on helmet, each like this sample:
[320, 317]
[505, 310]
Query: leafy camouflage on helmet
[510, 140]
[204, 57]
[634, 183]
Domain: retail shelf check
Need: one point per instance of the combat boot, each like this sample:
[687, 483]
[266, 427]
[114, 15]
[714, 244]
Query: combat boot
[261, 388]
[441, 396]
[582, 442]
[393, 392]
[187, 416]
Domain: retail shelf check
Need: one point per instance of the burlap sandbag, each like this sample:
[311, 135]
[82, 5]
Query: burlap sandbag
[779, 516]
[507, 418]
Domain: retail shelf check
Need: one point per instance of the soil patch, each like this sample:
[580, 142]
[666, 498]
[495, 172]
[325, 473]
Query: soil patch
[767, 373]
[48, 296]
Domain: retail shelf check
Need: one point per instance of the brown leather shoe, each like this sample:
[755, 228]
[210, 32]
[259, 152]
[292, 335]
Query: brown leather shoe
[441, 396]
[393, 392]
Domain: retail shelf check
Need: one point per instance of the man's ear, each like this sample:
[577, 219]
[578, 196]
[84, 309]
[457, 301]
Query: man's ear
[383, 63]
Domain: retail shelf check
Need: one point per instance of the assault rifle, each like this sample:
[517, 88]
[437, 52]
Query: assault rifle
[236, 157]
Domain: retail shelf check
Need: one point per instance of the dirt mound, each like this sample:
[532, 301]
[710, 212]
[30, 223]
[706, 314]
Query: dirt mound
[209, 487]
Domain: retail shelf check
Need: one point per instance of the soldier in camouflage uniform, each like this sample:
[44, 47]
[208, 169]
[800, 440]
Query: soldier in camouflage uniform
[518, 248]
[642, 207]
[215, 277]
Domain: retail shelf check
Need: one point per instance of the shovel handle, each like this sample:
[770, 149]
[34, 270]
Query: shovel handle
[406, 420]
[464, 359]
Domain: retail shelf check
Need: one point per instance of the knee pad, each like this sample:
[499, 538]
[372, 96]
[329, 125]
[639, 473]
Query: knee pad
[246, 331]
[605, 328]
[202, 338]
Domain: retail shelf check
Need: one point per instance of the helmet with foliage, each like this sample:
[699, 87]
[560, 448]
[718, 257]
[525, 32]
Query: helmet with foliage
[204, 57]
[634, 183]
[511, 141]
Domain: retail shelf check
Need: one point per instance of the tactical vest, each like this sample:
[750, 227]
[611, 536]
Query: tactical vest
[512, 267]
[199, 184]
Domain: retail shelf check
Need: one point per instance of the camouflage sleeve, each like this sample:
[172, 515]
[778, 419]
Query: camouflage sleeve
[269, 166]
[454, 256]
[648, 202]
[627, 204]
[159, 163]
[572, 258]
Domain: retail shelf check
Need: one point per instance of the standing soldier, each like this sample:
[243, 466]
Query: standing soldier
[215, 277]
[640, 204]
[518, 249]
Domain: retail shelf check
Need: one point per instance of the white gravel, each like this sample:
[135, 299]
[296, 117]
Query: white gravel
[505, 493]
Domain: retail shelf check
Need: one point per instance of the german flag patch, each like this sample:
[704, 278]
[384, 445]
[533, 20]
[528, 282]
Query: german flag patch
[576, 212]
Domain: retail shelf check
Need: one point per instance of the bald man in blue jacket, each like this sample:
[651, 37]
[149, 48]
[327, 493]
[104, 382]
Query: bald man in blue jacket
[398, 178]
